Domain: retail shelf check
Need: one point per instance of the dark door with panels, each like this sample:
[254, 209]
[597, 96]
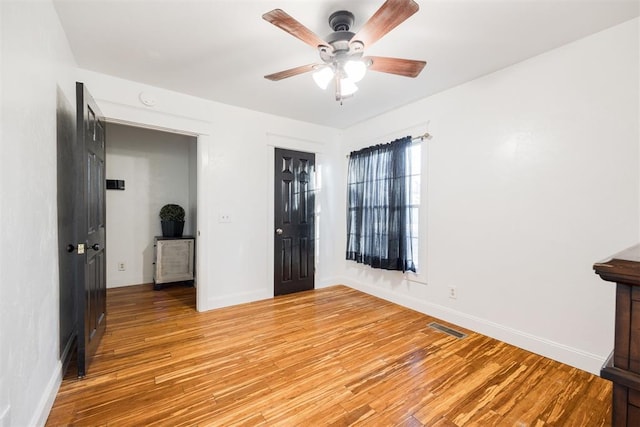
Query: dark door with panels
[69, 195]
[294, 242]
[92, 290]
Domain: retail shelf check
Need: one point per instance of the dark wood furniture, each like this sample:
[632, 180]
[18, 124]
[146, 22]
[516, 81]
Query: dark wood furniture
[623, 366]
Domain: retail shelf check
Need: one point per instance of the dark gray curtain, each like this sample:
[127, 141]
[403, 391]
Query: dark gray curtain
[379, 215]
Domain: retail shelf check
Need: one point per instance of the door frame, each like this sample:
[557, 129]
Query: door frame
[296, 229]
[298, 144]
[129, 116]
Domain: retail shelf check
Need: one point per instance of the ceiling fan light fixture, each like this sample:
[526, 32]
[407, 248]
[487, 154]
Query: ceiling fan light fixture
[323, 77]
[341, 52]
[347, 87]
[355, 70]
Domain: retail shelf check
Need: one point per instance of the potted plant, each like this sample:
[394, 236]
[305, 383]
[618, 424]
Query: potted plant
[172, 220]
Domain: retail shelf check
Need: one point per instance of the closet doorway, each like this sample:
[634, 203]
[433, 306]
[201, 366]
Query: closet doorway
[156, 168]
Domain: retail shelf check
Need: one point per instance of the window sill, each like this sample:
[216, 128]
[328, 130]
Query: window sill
[410, 276]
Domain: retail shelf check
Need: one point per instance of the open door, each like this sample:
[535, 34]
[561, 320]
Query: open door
[69, 193]
[81, 227]
[294, 242]
[91, 290]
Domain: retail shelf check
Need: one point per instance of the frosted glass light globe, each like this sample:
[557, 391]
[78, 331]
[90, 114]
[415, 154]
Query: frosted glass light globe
[355, 70]
[347, 87]
[323, 77]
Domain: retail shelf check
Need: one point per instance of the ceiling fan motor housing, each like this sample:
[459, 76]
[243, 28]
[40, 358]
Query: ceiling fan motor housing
[342, 20]
[341, 48]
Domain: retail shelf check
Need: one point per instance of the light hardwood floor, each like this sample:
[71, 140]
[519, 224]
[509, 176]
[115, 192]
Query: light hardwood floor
[333, 356]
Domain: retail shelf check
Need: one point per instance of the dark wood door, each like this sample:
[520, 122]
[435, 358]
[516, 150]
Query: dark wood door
[91, 289]
[294, 242]
[69, 195]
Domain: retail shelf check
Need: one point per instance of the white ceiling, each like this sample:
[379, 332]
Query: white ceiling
[220, 50]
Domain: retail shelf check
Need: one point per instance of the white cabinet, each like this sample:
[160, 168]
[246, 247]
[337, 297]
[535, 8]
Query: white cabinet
[173, 260]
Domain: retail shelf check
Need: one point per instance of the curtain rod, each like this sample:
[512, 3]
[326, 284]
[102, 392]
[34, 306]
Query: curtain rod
[422, 137]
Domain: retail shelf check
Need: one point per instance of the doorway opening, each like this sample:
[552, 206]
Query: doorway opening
[153, 168]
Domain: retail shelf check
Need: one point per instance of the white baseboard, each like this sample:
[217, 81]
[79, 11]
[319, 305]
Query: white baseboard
[325, 283]
[238, 298]
[124, 285]
[562, 353]
[45, 403]
[125, 282]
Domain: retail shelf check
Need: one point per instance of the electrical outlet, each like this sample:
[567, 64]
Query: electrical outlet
[224, 217]
[453, 292]
[121, 266]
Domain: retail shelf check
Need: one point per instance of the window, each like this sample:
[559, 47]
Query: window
[415, 155]
[383, 204]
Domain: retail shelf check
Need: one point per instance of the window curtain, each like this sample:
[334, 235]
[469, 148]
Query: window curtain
[379, 215]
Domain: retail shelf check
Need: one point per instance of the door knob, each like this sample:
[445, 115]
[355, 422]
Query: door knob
[278, 231]
[70, 248]
[95, 247]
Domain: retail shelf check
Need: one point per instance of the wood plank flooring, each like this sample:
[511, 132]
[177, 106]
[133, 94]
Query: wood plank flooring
[333, 356]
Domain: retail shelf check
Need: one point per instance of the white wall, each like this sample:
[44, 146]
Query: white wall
[35, 59]
[156, 167]
[531, 177]
[5, 397]
[235, 170]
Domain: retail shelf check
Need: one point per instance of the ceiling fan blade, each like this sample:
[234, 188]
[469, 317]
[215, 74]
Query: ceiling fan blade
[291, 72]
[284, 21]
[391, 14]
[401, 67]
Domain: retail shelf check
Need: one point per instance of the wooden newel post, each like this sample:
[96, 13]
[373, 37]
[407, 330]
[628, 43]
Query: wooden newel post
[623, 366]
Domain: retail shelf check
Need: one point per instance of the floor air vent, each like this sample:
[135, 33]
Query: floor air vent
[446, 330]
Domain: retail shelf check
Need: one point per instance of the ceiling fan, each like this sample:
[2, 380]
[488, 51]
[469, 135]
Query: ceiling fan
[342, 53]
